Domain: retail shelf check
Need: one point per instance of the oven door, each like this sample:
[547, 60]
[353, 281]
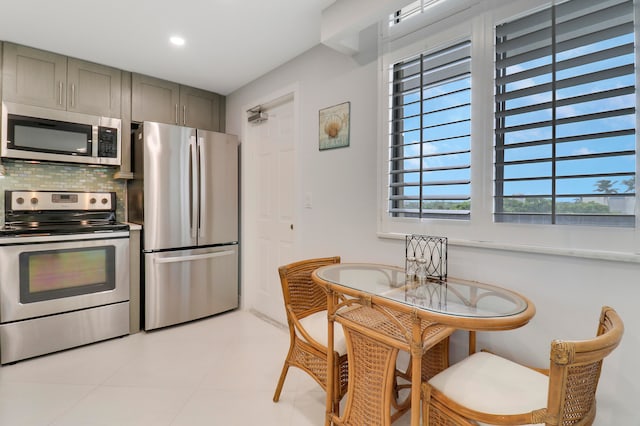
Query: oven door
[43, 275]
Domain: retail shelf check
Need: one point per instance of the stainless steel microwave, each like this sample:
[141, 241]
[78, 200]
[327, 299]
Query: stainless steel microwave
[42, 134]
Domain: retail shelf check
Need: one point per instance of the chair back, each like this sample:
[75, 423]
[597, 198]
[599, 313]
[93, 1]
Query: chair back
[302, 297]
[575, 370]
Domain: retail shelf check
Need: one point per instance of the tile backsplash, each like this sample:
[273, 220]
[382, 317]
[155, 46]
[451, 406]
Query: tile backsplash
[21, 175]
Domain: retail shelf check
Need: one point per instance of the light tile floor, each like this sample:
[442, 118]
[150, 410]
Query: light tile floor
[217, 371]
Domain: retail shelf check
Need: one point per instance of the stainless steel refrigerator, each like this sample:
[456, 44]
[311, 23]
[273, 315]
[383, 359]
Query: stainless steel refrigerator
[185, 196]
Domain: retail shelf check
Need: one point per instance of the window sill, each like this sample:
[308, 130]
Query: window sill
[611, 256]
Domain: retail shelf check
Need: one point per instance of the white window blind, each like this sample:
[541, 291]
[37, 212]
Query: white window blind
[411, 10]
[566, 116]
[430, 135]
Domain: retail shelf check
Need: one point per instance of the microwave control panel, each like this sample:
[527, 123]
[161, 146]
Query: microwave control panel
[107, 142]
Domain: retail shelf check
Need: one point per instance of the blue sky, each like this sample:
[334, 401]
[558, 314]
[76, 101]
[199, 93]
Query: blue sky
[581, 147]
[587, 146]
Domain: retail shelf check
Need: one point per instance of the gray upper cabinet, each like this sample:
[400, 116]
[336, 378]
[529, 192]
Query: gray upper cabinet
[200, 109]
[93, 89]
[36, 77]
[153, 99]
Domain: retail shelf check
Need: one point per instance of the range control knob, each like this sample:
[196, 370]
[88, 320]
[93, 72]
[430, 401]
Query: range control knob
[92, 200]
[20, 200]
[34, 201]
[105, 201]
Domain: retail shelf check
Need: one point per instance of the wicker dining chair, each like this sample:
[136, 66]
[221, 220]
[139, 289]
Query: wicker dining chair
[374, 336]
[487, 389]
[306, 306]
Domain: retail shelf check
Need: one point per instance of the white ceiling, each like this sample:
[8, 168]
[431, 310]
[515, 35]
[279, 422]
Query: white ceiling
[228, 42]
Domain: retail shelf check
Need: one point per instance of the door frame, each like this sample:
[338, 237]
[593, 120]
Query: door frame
[249, 263]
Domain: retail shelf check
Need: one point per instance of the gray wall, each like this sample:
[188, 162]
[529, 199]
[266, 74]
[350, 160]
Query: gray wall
[567, 291]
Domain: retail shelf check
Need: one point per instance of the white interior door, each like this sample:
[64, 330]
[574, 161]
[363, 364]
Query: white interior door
[269, 208]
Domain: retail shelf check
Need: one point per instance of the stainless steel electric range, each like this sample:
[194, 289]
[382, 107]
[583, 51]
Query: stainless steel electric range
[64, 275]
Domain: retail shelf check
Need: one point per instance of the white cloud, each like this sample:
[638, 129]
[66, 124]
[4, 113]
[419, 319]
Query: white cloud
[583, 151]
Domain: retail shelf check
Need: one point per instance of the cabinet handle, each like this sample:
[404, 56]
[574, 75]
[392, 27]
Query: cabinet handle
[177, 122]
[73, 95]
[184, 115]
[60, 92]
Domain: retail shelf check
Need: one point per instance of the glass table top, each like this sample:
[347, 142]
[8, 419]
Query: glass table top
[452, 296]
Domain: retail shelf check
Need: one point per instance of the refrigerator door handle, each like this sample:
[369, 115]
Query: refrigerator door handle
[193, 257]
[201, 194]
[194, 172]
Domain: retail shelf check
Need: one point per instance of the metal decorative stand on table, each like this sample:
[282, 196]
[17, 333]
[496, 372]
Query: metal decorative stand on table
[426, 270]
[426, 257]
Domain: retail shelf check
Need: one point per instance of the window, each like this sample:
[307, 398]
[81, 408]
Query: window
[548, 162]
[565, 116]
[410, 11]
[430, 135]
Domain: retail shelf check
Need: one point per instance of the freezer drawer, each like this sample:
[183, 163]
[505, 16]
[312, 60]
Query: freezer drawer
[184, 285]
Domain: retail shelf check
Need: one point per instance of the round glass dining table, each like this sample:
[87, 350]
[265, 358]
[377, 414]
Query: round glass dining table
[466, 304]
[461, 304]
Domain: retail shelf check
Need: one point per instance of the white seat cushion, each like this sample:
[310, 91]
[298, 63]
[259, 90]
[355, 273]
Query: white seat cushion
[491, 384]
[316, 326]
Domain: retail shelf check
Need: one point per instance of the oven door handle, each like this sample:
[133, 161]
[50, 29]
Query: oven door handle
[193, 257]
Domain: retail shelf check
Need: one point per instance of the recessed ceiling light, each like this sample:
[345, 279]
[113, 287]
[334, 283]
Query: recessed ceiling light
[178, 41]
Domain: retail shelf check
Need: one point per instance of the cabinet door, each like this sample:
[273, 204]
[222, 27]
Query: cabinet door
[34, 77]
[93, 89]
[199, 109]
[153, 99]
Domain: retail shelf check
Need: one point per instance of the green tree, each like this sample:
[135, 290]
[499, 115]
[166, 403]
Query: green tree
[582, 208]
[606, 186]
[528, 205]
[630, 184]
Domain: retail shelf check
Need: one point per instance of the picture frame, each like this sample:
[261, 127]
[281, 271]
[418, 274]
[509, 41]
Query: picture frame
[334, 126]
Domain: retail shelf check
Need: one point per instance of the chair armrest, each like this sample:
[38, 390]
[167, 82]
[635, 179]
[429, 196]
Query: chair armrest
[299, 328]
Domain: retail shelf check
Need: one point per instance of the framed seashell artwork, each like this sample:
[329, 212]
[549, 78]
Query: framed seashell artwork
[334, 126]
